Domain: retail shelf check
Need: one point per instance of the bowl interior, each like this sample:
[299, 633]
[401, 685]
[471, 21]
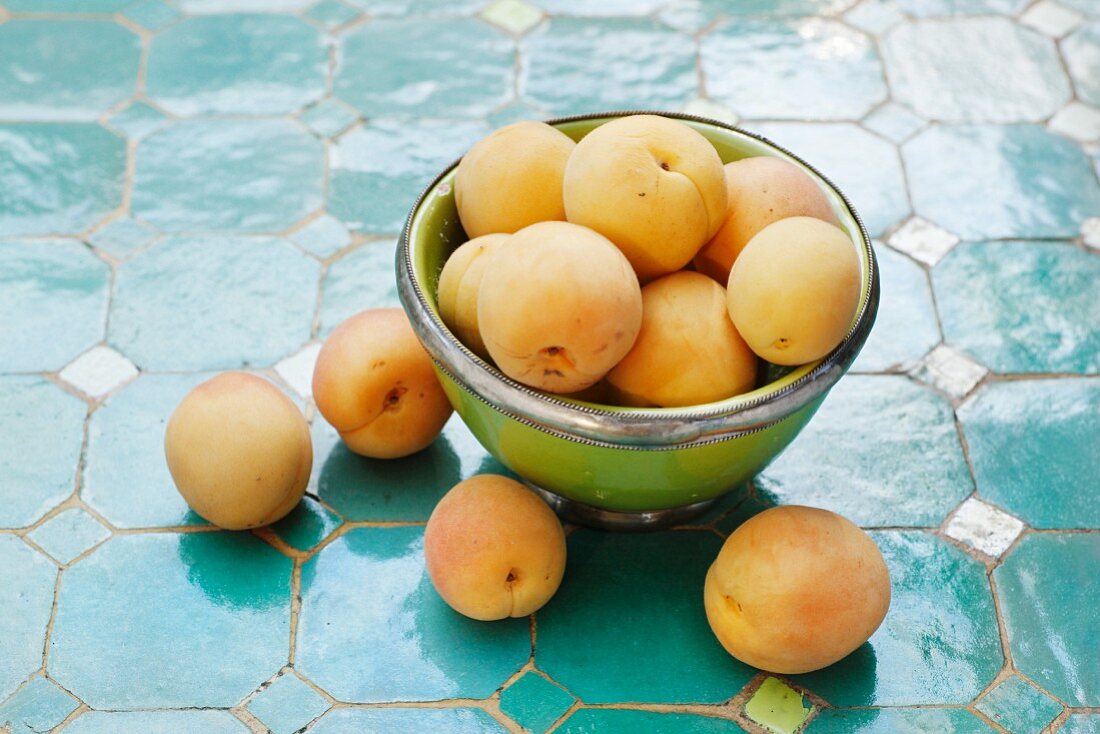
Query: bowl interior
[435, 232]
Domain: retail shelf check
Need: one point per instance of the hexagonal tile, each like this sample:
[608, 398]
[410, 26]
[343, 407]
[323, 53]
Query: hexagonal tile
[926, 8]
[329, 117]
[361, 279]
[43, 428]
[950, 370]
[393, 720]
[121, 237]
[324, 236]
[388, 636]
[1025, 434]
[58, 178]
[1084, 6]
[1021, 306]
[1016, 180]
[297, 369]
[49, 287]
[1051, 18]
[307, 525]
[1082, 53]
[68, 534]
[954, 70]
[1081, 724]
[921, 240]
[939, 642]
[626, 720]
[186, 286]
[278, 65]
[378, 170]
[893, 721]
[560, 56]
[777, 707]
[453, 67]
[216, 604]
[287, 704]
[983, 527]
[64, 69]
[1018, 706]
[157, 722]
[332, 13]
[137, 120]
[779, 74]
[612, 577]
[26, 594]
[534, 702]
[125, 477]
[882, 451]
[905, 328]
[873, 182]
[1049, 596]
[273, 179]
[893, 122]
[39, 706]
[1078, 121]
[98, 371]
[151, 14]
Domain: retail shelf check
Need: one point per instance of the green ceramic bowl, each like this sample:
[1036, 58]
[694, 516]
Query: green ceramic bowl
[606, 465]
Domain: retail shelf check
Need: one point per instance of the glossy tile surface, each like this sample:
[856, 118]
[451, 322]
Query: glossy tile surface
[189, 186]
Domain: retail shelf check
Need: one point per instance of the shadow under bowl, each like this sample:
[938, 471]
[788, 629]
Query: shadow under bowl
[609, 466]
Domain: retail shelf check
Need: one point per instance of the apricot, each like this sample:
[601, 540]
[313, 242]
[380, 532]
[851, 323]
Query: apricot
[376, 385]
[795, 589]
[761, 190]
[494, 549]
[239, 451]
[558, 307]
[459, 283]
[794, 289]
[688, 351]
[651, 185]
[512, 178]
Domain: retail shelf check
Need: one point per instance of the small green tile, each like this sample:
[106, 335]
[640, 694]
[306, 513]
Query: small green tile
[777, 707]
[58, 178]
[65, 69]
[329, 117]
[272, 180]
[68, 534]
[278, 65]
[372, 629]
[359, 280]
[894, 122]
[26, 595]
[151, 14]
[613, 576]
[882, 451]
[425, 67]
[534, 702]
[39, 706]
[897, 721]
[49, 287]
[560, 57]
[1021, 306]
[215, 604]
[42, 427]
[157, 722]
[287, 705]
[122, 236]
[407, 721]
[624, 721]
[777, 77]
[1081, 724]
[1049, 599]
[324, 236]
[137, 120]
[1019, 707]
[307, 525]
[939, 642]
[332, 13]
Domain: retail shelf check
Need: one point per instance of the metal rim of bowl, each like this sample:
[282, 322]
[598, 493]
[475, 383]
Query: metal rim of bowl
[636, 428]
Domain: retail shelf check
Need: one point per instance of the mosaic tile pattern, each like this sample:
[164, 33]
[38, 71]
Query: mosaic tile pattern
[194, 185]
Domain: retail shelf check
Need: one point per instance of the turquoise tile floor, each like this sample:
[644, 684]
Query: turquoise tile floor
[188, 186]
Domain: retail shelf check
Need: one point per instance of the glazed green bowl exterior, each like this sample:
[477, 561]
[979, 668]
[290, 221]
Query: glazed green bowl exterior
[623, 460]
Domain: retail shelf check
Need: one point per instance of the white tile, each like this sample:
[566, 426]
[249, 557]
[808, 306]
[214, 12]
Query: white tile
[1079, 121]
[713, 110]
[98, 371]
[1090, 232]
[1051, 18]
[874, 16]
[983, 527]
[515, 16]
[297, 369]
[923, 240]
[950, 370]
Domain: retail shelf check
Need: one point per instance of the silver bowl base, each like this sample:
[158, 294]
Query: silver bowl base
[597, 517]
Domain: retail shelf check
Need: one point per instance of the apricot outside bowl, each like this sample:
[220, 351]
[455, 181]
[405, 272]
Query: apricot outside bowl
[624, 468]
